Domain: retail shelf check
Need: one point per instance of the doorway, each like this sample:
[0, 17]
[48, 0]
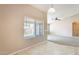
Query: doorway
[75, 29]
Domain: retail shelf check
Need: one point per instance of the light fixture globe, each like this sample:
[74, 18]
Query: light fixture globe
[51, 10]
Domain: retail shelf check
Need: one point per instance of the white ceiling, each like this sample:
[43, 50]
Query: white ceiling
[62, 10]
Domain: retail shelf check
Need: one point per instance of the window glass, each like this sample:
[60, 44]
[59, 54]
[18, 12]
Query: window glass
[32, 28]
[29, 27]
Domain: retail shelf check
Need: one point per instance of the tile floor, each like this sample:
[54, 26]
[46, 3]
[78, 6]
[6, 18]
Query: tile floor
[50, 48]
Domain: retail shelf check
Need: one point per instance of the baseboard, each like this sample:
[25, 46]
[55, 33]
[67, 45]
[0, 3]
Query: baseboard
[13, 53]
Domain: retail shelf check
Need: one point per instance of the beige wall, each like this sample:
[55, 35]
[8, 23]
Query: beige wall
[11, 26]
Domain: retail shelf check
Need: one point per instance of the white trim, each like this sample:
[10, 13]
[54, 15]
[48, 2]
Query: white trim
[13, 53]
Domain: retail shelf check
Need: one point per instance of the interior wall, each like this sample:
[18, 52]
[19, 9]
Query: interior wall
[12, 26]
[62, 27]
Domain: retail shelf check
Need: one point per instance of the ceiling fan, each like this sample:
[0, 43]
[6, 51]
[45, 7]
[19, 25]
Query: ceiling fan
[56, 18]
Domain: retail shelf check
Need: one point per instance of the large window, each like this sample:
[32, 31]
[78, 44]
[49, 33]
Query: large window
[32, 28]
[39, 28]
[29, 27]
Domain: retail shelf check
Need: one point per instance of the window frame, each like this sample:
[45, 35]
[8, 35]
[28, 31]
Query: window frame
[26, 19]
